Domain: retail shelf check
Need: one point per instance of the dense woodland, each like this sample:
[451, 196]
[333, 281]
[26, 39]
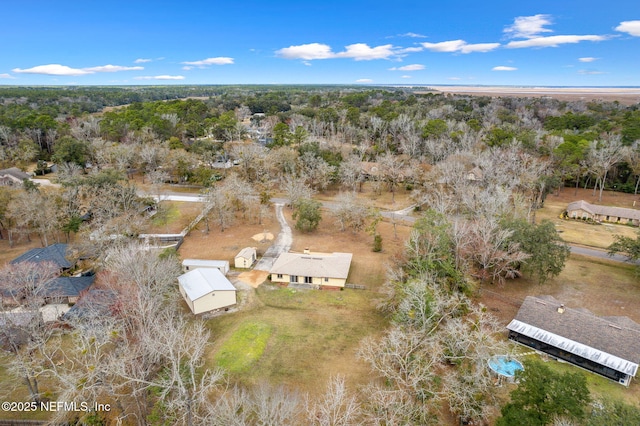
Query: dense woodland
[296, 142]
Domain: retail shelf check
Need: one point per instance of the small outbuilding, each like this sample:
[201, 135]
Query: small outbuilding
[608, 346]
[191, 264]
[206, 290]
[246, 258]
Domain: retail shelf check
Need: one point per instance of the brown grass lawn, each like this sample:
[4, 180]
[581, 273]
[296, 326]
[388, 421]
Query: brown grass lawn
[367, 268]
[368, 197]
[172, 217]
[578, 232]
[225, 245]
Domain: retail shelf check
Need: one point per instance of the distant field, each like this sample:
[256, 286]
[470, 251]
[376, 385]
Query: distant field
[626, 96]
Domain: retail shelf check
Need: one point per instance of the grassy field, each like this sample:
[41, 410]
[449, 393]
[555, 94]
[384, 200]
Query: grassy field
[582, 233]
[308, 336]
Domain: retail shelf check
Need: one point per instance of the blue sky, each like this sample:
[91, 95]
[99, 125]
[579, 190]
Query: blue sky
[546, 43]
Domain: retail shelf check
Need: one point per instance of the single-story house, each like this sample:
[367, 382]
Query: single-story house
[66, 289]
[191, 264]
[14, 328]
[318, 270]
[55, 253]
[246, 258]
[608, 346]
[475, 175]
[95, 302]
[12, 176]
[206, 290]
[583, 210]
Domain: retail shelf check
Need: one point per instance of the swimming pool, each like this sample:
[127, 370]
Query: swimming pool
[504, 365]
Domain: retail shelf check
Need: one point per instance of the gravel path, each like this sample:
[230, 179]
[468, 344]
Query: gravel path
[282, 243]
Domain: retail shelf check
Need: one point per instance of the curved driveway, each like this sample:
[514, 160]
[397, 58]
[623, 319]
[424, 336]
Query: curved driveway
[282, 243]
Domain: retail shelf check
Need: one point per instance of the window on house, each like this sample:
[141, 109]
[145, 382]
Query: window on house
[308, 280]
[326, 280]
[293, 278]
[279, 275]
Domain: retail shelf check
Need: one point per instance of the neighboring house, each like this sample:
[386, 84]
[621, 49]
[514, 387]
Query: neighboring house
[608, 346]
[94, 303]
[66, 289]
[246, 258]
[191, 264]
[583, 210]
[206, 290]
[475, 175]
[318, 270]
[12, 176]
[14, 328]
[55, 253]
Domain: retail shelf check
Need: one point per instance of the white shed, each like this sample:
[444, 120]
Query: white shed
[246, 258]
[191, 264]
[205, 290]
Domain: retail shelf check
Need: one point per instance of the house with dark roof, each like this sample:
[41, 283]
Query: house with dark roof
[66, 289]
[55, 253]
[315, 270]
[583, 210]
[94, 302]
[608, 346]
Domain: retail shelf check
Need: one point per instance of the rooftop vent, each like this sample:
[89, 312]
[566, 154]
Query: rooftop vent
[561, 308]
[306, 251]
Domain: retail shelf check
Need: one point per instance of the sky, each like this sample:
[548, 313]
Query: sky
[392, 42]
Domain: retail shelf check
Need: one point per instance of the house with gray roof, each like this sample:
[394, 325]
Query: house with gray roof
[55, 253]
[66, 289]
[608, 346]
[315, 270]
[583, 210]
[12, 176]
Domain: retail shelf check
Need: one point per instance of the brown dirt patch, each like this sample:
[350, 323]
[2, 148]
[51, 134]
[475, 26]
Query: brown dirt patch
[253, 278]
[263, 237]
[225, 245]
[367, 268]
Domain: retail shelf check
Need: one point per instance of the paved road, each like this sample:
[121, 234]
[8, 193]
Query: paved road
[281, 244]
[599, 254]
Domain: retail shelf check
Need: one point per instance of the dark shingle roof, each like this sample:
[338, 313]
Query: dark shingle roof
[596, 337]
[15, 172]
[54, 253]
[67, 286]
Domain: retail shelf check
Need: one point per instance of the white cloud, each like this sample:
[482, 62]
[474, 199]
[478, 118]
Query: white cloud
[590, 72]
[528, 26]
[57, 69]
[141, 61]
[187, 68]
[553, 41]
[629, 27]
[357, 51]
[410, 50]
[112, 68]
[479, 47]
[460, 46]
[211, 61]
[412, 35]
[445, 46]
[364, 80]
[52, 69]
[406, 76]
[362, 52]
[503, 68]
[412, 67]
[161, 77]
[306, 51]
[7, 76]
[587, 59]
[307, 63]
